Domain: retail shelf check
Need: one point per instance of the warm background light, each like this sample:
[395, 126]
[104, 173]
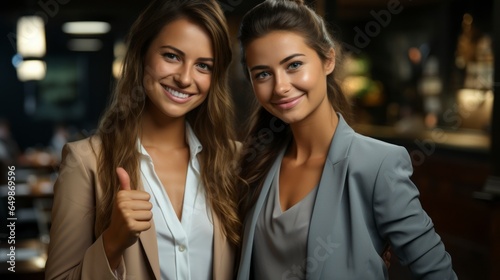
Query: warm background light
[86, 27]
[31, 36]
[31, 70]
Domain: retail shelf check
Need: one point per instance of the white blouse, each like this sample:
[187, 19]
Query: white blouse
[184, 247]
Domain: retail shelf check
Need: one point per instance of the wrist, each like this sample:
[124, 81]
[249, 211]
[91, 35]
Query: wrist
[112, 251]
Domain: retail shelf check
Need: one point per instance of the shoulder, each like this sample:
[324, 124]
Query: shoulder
[373, 148]
[371, 155]
[84, 152]
[360, 139]
[85, 145]
[381, 170]
[357, 147]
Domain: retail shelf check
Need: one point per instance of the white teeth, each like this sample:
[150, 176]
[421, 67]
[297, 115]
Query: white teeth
[176, 93]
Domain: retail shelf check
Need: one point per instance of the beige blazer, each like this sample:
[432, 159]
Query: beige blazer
[77, 252]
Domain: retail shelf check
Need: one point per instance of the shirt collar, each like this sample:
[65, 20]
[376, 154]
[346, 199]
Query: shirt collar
[193, 142]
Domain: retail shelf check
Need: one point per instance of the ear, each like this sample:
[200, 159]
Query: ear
[330, 62]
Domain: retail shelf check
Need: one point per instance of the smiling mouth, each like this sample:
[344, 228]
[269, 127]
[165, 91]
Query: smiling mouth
[285, 101]
[176, 93]
[288, 103]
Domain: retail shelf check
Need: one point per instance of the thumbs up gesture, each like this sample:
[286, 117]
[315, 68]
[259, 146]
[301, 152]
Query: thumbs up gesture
[131, 215]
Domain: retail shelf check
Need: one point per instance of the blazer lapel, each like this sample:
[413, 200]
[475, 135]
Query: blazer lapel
[150, 246]
[251, 221]
[328, 201]
[149, 243]
[325, 211]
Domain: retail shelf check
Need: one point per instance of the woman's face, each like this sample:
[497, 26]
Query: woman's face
[178, 68]
[288, 77]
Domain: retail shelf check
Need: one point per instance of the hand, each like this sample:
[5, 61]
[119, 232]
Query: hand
[131, 215]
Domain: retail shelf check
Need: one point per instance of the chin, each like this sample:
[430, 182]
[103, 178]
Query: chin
[174, 113]
[290, 120]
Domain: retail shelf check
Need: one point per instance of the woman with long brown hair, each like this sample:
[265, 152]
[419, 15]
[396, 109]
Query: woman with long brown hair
[323, 202]
[152, 195]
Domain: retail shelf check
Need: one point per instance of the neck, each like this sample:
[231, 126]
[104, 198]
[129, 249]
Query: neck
[163, 132]
[312, 136]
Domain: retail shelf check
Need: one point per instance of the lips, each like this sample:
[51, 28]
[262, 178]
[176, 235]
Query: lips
[177, 96]
[288, 103]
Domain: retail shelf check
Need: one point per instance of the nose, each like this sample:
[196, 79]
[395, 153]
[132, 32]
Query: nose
[281, 84]
[183, 77]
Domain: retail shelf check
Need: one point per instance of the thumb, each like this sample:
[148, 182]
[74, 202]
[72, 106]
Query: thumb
[123, 178]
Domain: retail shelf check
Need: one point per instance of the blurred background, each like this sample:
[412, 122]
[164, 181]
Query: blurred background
[420, 74]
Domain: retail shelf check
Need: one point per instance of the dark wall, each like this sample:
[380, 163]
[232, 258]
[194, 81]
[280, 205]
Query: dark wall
[92, 86]
[33, 129]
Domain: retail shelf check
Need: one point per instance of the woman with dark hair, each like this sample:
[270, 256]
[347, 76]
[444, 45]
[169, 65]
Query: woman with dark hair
[153, 194]
[323, 202]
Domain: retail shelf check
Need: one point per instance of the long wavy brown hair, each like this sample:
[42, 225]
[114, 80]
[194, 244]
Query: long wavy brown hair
[211, 121]
[268, 135]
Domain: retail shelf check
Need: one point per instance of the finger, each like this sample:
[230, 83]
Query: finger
[141, 216]
[123, 178]
[136, 196]
[140, 226]
[128, 203]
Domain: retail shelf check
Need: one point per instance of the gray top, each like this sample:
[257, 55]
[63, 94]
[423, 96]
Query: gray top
[280, 243]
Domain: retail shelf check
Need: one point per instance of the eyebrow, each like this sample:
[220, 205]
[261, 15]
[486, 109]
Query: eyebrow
[209, 59]
[286, 59]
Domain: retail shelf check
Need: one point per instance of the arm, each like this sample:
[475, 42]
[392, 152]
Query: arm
[74, 252]
[401, 219]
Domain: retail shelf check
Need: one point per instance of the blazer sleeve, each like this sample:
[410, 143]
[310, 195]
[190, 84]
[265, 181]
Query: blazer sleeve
[401, 220]
[74, 252]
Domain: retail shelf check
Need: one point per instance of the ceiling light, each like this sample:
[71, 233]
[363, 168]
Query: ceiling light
[31, 70]
[31, 36]
[86, 27]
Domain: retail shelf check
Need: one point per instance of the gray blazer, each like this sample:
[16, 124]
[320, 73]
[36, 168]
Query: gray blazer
[365, 200]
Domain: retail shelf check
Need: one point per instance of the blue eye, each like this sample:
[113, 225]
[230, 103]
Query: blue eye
[171, 56]
[205, 66]
[294, 65]
[262, 75]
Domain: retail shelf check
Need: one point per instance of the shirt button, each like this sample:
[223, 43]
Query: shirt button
[182, 248]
